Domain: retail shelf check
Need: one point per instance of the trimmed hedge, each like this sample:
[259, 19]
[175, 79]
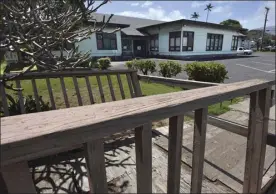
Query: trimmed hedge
[145, 66]
[169, 68]
[206, 71]
[104, 63]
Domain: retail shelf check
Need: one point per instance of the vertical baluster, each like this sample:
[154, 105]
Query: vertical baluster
[51, 93]
[136, 84]
[95, 162]
[121, 86]
[4, 100]
[92, 101]
[37, 101]
[130, 85]
[174, 153]
[256, 140]
[77, 90]
[111, 87]
[64, 92]
[143, 148]
[200, 125]
[100, 88]
[20, 95]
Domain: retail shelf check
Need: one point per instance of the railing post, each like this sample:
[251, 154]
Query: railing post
[200, 125]
[174, 153]
[95, 161]
[143, 148]
[256, 140]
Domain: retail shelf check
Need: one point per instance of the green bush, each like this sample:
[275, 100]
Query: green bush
[29, 104]
[206, 71]
[104, 63]
[145, 66]
[169, 68]
[131, 64]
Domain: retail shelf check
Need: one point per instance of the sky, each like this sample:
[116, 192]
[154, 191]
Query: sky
[250, 14]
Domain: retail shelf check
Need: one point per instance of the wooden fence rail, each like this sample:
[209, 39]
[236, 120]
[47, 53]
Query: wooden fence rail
[31, 136]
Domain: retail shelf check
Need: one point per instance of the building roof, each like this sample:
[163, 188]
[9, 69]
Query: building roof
[133, 23]
[184, 21]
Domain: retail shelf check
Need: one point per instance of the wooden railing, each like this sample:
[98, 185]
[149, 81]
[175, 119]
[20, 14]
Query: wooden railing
[31, 136]
[130, 77]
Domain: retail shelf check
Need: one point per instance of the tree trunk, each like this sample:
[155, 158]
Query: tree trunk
[207, 16]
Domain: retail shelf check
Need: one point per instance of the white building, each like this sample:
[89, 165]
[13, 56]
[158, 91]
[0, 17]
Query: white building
[175, 39]
[151, 38]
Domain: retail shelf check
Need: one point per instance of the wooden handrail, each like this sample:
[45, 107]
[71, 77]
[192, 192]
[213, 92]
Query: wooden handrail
[70, 73]
[30, 136]
[99, 120]
[187, 84]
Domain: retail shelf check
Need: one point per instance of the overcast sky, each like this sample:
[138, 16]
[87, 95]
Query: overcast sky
[250, 13]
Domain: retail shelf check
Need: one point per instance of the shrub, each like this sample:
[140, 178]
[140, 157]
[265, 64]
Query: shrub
[29, 104]
[145, 66]
[169, 68]
[131, 64]
[206, 71]
[104, 63]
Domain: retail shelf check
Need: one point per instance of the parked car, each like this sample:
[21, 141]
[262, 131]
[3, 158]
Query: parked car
[242, 50]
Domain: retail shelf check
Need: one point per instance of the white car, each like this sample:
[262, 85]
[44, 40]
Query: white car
[242, 50]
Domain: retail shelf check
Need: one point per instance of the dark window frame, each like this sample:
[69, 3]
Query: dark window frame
[155, 39]
[234, 44]
[215, 42]
[190, 40]
[174, 35]
[110, 37]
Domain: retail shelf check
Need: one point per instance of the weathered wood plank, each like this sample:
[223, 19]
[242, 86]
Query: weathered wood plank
[70, 73]
[174, 153]
[20, 96]
[256, 140]
[18, 178]
[4, 100]
[37, 102]
[95, 162]
[187, 84]
[88, 85]
[66, 101]
[111, 87]
[136, 84]
[100, 88]
[52, 99]
[100, 120]
[143, 149]
[121, 86]
[77, 90]
[200, 126]
[130, 86]
[234, 127]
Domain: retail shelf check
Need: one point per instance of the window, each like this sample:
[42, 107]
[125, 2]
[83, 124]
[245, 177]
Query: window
[174, 41]
[106, 41]
[214, 42]
[188, 41]
[234, 45]
[154, 44]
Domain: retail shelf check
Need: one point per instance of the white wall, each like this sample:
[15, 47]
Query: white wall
[91, 45]
[200, 38]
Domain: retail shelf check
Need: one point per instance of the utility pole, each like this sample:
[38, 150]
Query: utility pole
[263, 34]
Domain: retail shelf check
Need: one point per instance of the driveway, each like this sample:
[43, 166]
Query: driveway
[258, 65]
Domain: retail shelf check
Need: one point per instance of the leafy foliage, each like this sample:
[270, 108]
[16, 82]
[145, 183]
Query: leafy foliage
[206, 71]
[29, 104]
[230, 22]
[145, 66]
[169, 68]
[104, 63]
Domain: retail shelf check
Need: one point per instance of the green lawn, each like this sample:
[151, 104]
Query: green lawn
[147, 89]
